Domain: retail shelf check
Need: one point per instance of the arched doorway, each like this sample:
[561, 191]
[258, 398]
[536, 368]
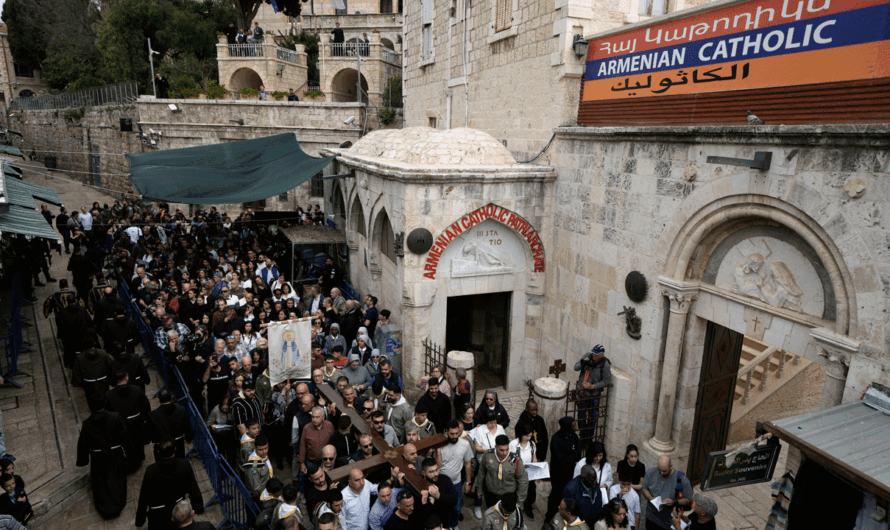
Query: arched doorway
[244, 78]
[343, 86]
[27, 93]
[752, 283]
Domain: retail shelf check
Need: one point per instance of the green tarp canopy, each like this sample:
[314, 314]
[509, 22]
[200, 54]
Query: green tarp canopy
[19, 214]
[10, 150]
[233, 172]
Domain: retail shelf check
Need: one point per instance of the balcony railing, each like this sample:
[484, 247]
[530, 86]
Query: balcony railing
[246, 50]
[350, 49]
[391, 56]
[287, 55]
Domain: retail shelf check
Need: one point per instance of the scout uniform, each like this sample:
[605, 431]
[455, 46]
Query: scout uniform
[257, 472]
[285, 510]
[499, 477]
[424, 430]
[495, 520]
[558, 523]
[246, 449]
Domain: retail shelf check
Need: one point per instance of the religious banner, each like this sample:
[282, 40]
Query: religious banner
[388, 340]
[290, 350]
[757, 44]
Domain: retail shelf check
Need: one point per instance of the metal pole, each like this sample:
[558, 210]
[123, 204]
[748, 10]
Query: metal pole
[358, 81]
[151, 61]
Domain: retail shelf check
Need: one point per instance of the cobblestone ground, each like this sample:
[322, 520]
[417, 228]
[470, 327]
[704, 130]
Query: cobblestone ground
[41, 422]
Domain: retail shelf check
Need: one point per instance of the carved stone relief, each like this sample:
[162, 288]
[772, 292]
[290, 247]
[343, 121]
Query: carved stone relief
[774, 272]
[488, 248]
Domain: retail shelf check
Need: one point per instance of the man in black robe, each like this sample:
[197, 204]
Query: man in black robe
[103, 437]
[72, 322]
[130, 402]
[166, 482]
[121, 329]
[131, 363]
[171, 420]
[565, 451]
[93, 369]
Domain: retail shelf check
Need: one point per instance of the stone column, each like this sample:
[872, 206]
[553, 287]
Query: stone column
[837, 350]
[550, 394]
[681, 296]
[462, 359]
[417, 298]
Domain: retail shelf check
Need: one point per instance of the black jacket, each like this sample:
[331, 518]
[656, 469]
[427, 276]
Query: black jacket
[165, 483]
[565, 451]
[539, 433]
[439, 409]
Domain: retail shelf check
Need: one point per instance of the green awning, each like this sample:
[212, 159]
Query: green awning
[233, 172]
[21, 215]
[11, 171]
[10, 150]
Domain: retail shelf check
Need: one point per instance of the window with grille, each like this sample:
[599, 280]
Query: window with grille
[23, 70]
[503, 18]
[316, 185]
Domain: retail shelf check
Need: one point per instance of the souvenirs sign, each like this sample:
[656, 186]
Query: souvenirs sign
[758, 466]
[290, 350]
[757, 44]
[489, 211]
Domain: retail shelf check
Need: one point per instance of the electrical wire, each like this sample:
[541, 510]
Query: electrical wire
[17, 164]
[78, 152]
[542, 151]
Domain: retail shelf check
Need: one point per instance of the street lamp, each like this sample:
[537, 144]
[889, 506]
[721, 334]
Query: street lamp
[579, 44]
[151, 62]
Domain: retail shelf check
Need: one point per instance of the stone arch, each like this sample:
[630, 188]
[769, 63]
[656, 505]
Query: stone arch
[244, 78]
[27, 93]
[383, 236]
[338, 208]
[343, 86]
[388, 44]
[357, 221]
[681, 240]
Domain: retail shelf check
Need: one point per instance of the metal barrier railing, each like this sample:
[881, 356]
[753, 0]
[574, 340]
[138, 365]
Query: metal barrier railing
[231, 493]
[250, 49]
[118, 93]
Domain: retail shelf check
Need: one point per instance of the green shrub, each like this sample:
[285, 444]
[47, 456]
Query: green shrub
[279, 95]
[249, 92]
[74, 115]
[314, 94]
[215, 90]
[386, 115]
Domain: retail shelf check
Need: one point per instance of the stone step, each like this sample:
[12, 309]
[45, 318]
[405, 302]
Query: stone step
[59, 494]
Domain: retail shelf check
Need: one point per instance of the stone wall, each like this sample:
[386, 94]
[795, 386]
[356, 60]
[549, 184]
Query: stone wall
[522, 81]
[634, 199]
[196, 122]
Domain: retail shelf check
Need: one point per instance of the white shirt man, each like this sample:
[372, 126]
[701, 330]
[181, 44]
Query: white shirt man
[134, 233]
[85, 218]
[630, 497]
[357, 501]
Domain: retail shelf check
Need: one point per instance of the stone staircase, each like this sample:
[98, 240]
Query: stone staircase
[763, 369]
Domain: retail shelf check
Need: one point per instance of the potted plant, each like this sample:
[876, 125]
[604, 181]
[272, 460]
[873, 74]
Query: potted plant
[249, 93]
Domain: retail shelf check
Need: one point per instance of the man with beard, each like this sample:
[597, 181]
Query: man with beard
[565, 451]
[130, 402]
[103, 437]
[456, 456]
[165, 483]
[441, 497]
[399, 413]
[438, 405]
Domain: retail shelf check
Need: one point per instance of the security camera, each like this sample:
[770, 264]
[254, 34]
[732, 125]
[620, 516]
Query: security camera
[154, 142]
[152, 131]
[349, 120]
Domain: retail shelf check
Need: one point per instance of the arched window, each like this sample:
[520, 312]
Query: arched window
[384, 236]
[357, 218]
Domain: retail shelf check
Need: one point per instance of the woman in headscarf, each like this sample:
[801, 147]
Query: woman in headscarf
[358, 376]
[363, 332]
[490, 403]
[334, 338]
[361, 349]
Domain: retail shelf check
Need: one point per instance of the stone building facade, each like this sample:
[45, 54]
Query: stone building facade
[16, 80]
[504, 67]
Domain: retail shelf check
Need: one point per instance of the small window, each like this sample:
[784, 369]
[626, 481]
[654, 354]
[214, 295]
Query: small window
[503, 15]
[283, 197]
[23, 70]
[316, 185]
[433, 122]
[385, 237]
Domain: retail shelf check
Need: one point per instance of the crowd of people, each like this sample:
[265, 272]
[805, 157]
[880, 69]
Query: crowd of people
[207, 286]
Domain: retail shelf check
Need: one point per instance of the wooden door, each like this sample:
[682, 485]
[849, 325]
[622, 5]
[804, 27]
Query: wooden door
[716, 390]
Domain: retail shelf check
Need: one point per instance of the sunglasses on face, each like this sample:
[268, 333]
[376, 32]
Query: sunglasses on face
[381, 422]
[326, 459]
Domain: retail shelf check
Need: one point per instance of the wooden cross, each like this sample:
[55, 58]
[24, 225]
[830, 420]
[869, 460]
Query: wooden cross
[558, 368]
[386, 453]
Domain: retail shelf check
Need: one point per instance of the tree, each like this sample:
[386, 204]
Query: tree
[246, 10]
[310, 41]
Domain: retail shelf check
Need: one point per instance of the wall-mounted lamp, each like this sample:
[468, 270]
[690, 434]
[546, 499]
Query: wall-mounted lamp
[238, 121]
[579, 44]
[280, 70]
[173, 107]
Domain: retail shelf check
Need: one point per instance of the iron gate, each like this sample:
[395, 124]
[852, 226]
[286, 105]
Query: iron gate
[434, 355]
[590, 412]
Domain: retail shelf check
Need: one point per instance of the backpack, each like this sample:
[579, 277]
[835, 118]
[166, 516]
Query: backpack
[678, 490]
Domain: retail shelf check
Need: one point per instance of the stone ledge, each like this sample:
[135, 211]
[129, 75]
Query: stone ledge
[847, 135]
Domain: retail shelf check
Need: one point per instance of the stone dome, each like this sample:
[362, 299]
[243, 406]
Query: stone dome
[424, 146]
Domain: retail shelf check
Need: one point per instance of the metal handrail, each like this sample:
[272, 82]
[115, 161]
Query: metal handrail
[117, 93]
[250, 49]
[287, 55]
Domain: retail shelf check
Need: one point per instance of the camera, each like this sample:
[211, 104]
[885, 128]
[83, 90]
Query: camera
[587, 363]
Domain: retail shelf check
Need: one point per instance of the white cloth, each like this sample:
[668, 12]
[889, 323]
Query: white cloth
[357, 506]
[527, 454]
[134, 233]
[631, 498]
[604, 474]
[454, 456]
[484, 438]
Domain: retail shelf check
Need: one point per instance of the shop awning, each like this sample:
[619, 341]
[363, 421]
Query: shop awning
[233, 172]
[10, 150]
[852, 440]
[18, 210]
